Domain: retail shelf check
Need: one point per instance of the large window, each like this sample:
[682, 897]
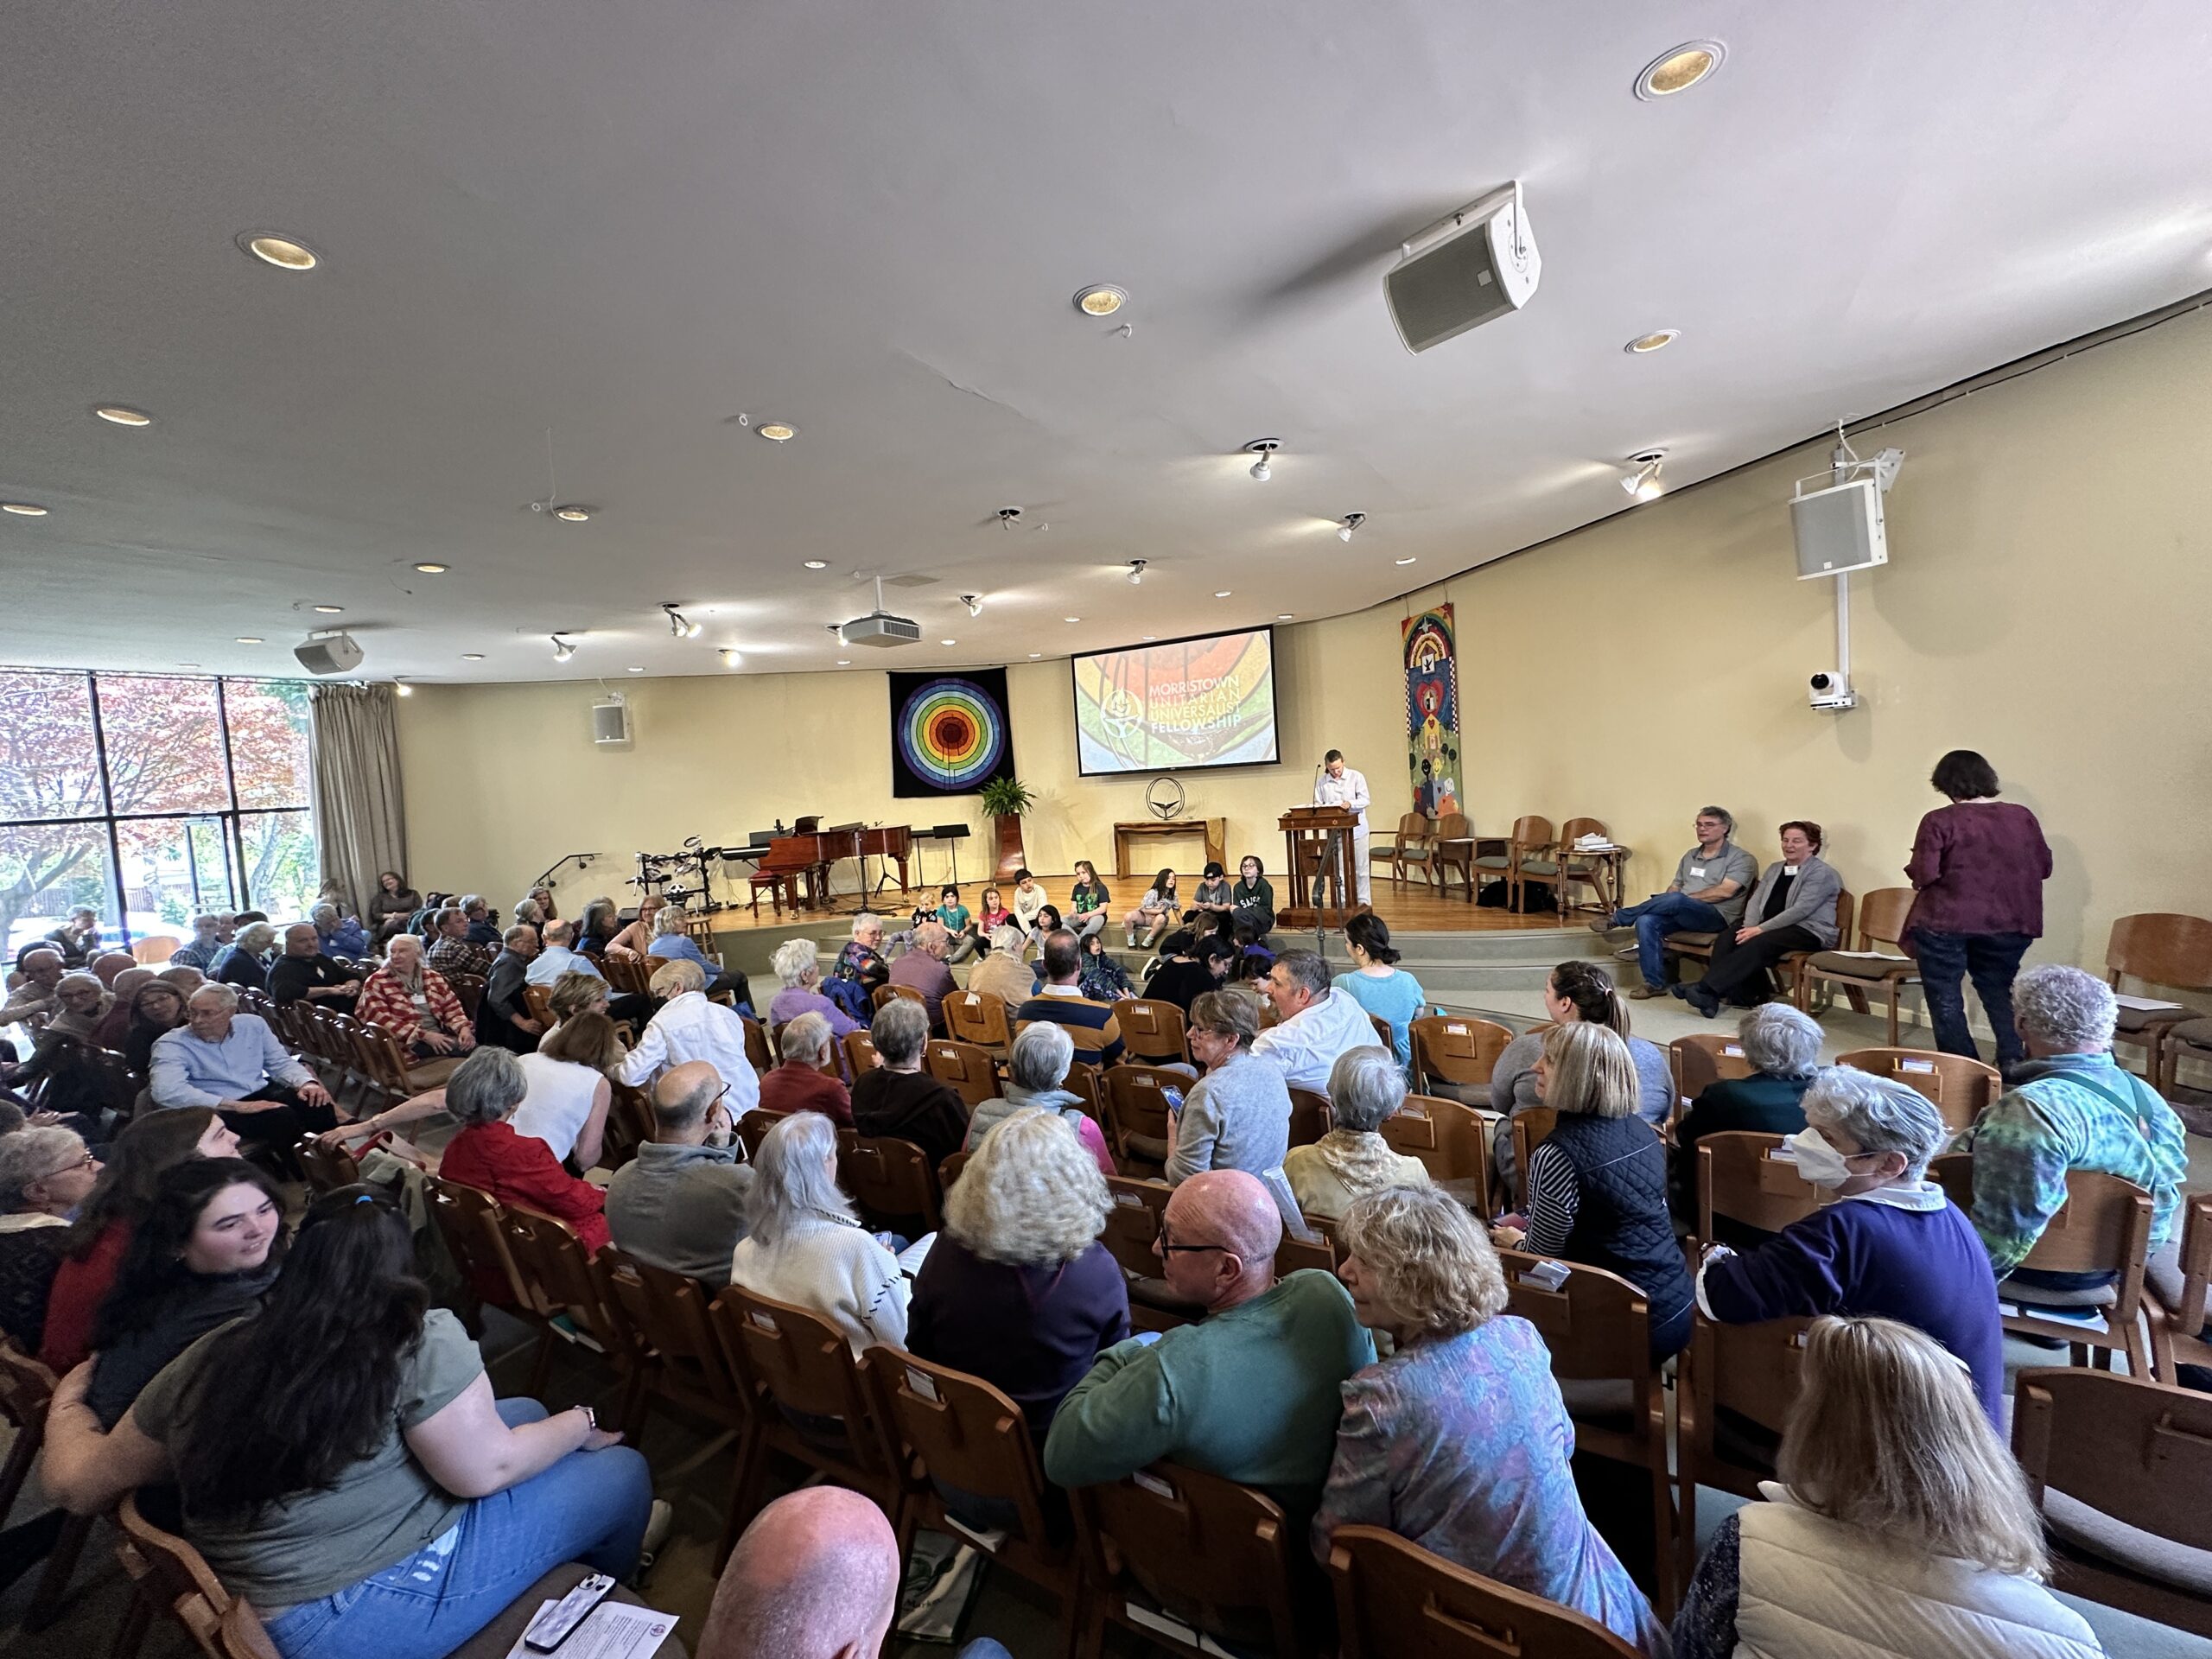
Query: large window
[150, 797]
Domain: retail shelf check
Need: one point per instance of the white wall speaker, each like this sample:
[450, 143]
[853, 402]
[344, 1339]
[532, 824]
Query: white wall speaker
[1469, 267]
[332, 651]
[610, 722]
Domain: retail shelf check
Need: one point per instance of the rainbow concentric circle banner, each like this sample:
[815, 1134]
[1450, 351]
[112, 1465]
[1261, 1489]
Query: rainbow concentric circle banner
[949, 734]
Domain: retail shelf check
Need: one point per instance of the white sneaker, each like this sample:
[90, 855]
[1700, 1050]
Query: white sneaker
[659, 1524]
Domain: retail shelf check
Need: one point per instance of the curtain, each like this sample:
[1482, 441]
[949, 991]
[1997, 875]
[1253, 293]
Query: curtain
[360, 820]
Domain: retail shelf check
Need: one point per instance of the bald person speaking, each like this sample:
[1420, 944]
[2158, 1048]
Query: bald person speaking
[1251, 1393]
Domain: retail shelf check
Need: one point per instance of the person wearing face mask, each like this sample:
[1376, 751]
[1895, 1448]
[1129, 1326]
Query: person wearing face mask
[1793, 909]
[1897, 1249]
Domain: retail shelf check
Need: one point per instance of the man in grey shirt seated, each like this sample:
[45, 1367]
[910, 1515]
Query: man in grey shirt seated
[680, 1203]
[1711, 885]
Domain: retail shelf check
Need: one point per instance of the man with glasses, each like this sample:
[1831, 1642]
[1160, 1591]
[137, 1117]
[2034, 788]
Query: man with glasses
[45, 1174]
[1713, 882]
[233, 1063]
[34, 1001]
[680, 1203]
[1251, 1393]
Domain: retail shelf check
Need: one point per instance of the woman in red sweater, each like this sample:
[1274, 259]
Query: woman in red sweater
[515, 1169]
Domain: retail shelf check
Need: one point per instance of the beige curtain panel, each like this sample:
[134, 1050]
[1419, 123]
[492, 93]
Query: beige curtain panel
[361, 819]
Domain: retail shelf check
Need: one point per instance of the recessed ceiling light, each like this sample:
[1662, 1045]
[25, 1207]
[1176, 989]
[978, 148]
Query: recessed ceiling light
[844, 662]
[1102, 300]
[777, 431]
[330, 610]
[572, 513]
[122, 417]
[1223, 593]
[1402, 561]
[637, 668]
[948, 642]
[1035, 654]
[732, 657]
[818, 564]
[432, 570]
[1679, 70]
[472, 656]
[1282, 616]
[1070, 618]
[249, 638]
[25, 509]
[282, 251]
[1658, 340]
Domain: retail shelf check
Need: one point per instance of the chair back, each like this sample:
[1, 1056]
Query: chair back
[1596, 1324]
[223, 1626]
[1531, 834]
[756, 1044]
[1137, 1103]
[1447, 1137]
[664, 1314]
[1133, 1222]
[1754, 1371]
[969, 1435]
[968, 1070]
[752, 1128]
[860, 1053]
[110, 964]
[1081, 1081]
[977, 1017]
[948, 1170]
[2104, 1226]
[881, 994]
[2188, 1314]
[468, 1221]
[2162, 949]
[1703, 1058]
[153, 951]
[799, 1358]
[539, 999]
[1574, 829]
[1959, 1087]
[1739, 1178]
[1882, 916]
[911, 993]
[1152, 1030]
[556, 1272]
[889, 1178]
[1456, 1048]
[1310, 1116]
[469, 988]
[1395, 1600]
[328, 1166]
[2136, 1451]
[26, 1391]
[1532, 1126]
[1295, 1255]
[1216, 1555]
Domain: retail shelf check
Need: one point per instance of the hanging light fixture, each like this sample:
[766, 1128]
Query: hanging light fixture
[562, 649]
[1265, 449]
[1136, 572]
[1348, 524]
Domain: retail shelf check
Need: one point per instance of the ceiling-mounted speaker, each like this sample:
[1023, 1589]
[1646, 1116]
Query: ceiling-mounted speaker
[610, 722]
[1468, 269]
[332, 651]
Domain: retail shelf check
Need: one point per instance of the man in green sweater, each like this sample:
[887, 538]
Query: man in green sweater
[1251, 1394]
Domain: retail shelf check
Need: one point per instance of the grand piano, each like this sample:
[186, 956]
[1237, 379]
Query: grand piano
[797, 866]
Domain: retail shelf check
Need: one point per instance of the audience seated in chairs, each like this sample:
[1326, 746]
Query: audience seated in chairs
[1386, 991]
[232, 1062]
[1598, 1182]
[245, 961]
[336, 934]
[122, 991]
[1352, 1160]
[33, 1002]
[798, 967]
[452, 951]
[1237, 1114]
[390, 905]
[1579, 990]
[62, 1053]
[637, 938]
[211, 931]
[2071, 1106]
[204, 1253]
[1017, 1289]
[1317, 1021]
[1898, 1511]
[1037, 1071]
[799, 1084]
[806, 1245]
[1895, 1249]
[899, 1098]
[922, 968]
[1784, 1049]
[670, 943]
[503, 1017]
[559, 957]
[1252, 1392]
[680, 1203]
[303, 973]
[1459, 1441]
[569, 1095]
[860, 960]
[76, 939]
[101, 1230]
[1792, 909]
[45, 1174]
[689, 1028]
[816, 1576]
[1194, 966]
[157, 1009]
[1002, 973]
[390, 1504]
[1712, 883]
[489, 1155]
[416, 1004]
[1060, 1000]
[597, 927]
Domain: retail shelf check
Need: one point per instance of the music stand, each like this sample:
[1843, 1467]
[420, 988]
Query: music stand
[955, 833]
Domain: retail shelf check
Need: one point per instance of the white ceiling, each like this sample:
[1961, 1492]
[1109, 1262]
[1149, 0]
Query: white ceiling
[631, 223]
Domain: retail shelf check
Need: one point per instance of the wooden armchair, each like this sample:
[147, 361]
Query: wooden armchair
[1526, 857]
[1960, 1088]
[1394, 1600]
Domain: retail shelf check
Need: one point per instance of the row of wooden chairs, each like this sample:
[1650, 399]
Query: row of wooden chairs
[339, 1045]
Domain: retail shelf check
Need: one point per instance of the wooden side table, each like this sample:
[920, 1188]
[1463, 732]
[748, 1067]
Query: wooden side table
[1214, 831]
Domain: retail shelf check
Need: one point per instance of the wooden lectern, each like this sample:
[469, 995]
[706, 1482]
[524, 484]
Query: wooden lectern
[1318, 840]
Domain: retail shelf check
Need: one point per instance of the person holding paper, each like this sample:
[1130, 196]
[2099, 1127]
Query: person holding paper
[1339, 786]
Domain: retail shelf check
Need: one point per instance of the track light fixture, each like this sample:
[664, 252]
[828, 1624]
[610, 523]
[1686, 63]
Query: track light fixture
[732, 657]
[1265, 449]
[1348, 524]
[562, 649]
[1136, 572]
[679, 625]
[974, 602]
[1642, 478]
[1009, 517]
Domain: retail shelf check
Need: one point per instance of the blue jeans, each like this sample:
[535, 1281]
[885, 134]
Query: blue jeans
[1992, 960]
[1658, 916]
[589, 1507]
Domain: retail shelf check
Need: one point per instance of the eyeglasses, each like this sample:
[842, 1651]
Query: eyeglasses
[75, 1164]
[1166, 1247]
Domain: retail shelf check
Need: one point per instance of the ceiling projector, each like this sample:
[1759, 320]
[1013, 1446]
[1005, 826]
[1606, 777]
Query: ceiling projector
[880, 627]
[332, 651]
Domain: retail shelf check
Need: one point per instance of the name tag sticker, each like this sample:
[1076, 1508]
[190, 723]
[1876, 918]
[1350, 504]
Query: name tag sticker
[922, 1383]
[1733, 1050]
[1698, 870]
[1153, 1484]
[1923, 1068]
[763, 1322]
[1457, 1031]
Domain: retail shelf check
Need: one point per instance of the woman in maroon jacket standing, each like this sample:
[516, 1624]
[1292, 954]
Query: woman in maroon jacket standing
[1979, 866]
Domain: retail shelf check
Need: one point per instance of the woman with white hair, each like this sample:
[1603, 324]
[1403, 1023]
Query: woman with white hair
[1899, 1523]
[1036, 1075]
[1017, 1289]
[1783, 1048]
[899, 1098]
[1366, 1086]
[798, 966]
[1896, 1249]
[805, 1245]
[799, 1084]
[2071, 1106]
[245, 960]
[1460, 1442]
[61, 1055]
[45, 1174]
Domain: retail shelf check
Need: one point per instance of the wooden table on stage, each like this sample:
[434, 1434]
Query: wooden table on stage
[1319, 836]
[1215, 830]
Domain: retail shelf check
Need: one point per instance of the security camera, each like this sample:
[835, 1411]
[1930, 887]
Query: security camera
[1830, 689]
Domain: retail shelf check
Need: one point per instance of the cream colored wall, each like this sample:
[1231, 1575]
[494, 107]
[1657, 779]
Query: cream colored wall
[503, 779]
[2046, 604]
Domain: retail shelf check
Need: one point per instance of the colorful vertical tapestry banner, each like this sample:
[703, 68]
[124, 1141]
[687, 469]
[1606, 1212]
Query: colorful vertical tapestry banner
[949, 734]
[1433, 712]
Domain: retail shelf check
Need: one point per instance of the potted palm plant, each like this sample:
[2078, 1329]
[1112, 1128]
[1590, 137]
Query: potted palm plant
[1006, 799]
